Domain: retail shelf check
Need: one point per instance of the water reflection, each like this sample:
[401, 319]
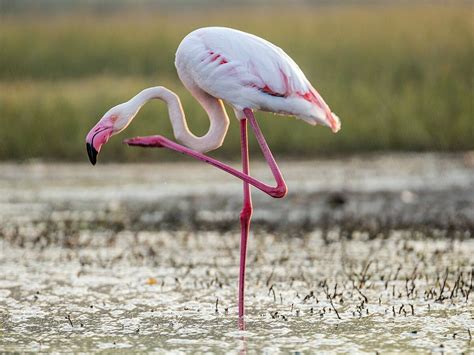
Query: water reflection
[92, 290]
[243, 340]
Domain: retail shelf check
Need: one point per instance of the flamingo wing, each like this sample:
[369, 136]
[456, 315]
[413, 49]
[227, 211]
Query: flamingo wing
[250, 72]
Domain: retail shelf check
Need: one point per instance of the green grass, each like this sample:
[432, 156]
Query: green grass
[400, 78]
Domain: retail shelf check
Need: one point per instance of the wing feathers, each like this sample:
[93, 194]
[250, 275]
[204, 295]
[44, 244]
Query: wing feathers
[248, 71]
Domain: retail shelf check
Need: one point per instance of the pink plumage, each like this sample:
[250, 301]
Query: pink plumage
[221, 64]
[249, 72]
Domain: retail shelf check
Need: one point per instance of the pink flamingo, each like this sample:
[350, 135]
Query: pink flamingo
[221, 64]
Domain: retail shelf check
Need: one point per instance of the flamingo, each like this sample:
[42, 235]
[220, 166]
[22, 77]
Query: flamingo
[219, 64]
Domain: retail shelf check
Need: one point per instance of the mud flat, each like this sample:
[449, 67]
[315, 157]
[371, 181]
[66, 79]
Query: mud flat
[365, 254]
[375, 193]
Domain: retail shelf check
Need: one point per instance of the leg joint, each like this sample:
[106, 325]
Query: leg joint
[246, 213]
[279, 191]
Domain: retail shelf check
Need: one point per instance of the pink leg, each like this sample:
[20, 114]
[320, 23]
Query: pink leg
[278, 191]
[245, 216]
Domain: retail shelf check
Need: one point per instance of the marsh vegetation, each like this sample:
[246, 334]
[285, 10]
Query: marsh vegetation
[398, 76]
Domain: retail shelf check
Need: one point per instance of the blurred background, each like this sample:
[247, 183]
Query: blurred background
[398, 73]
[142, 250]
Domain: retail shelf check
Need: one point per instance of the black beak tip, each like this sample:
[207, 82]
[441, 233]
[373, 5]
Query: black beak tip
[92, 153]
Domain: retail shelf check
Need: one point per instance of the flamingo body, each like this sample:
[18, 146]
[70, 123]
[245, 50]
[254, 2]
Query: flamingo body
[249, 72]
[219, 64]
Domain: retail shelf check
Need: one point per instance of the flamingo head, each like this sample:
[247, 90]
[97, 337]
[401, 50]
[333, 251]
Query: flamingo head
[114, 121]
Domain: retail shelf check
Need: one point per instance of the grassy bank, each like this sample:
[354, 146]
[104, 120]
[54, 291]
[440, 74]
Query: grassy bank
[399, 77]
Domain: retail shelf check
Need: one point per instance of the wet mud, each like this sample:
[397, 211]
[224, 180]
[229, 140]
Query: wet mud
[365, 254]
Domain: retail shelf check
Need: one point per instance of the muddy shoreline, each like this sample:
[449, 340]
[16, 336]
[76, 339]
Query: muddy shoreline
[428, 193]
[364, 254]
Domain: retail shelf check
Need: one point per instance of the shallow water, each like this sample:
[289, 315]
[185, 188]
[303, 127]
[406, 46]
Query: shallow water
[134, 258]
[176, 291]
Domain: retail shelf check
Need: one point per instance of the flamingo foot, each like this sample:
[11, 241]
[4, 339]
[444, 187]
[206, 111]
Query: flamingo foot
[147, 142]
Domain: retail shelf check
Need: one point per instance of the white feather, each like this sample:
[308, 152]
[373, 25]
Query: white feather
[249, 72]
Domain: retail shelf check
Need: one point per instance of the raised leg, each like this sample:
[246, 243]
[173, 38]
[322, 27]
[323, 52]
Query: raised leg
[278, 191]
[245, 216]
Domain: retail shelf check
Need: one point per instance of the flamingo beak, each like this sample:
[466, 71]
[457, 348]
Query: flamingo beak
[92, 153]
[96, 138]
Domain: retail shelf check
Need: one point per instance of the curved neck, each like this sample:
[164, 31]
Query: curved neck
[219, 121]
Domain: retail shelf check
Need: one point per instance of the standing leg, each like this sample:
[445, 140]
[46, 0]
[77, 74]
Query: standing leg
[245, 216]
[278, 191]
